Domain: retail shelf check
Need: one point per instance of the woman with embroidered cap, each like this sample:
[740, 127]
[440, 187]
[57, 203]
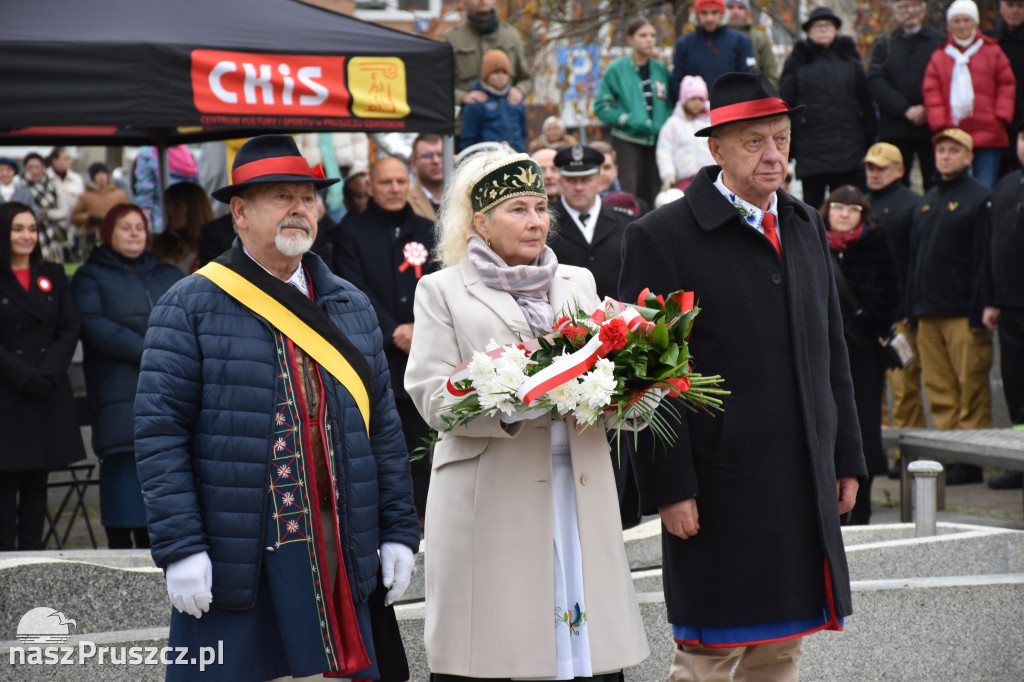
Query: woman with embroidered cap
[526, 573]
[868, 283]
[38, 334]
[632, 98]
[969, 84]
[825, 73]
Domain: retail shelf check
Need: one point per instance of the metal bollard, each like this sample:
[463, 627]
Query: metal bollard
[925, 473]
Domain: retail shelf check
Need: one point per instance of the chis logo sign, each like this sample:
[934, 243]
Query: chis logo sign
[269, 84]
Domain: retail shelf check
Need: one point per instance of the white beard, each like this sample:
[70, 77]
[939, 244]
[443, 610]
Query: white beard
[297, 245]
[293, 246]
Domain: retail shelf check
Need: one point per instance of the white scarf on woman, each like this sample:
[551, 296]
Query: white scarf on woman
[961, 89]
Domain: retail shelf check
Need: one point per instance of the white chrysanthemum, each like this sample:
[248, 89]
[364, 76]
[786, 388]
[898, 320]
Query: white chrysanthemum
[596, 388]
[515, 356]
[565, 397]
[491, 345]
[481, 370]
[499, 399]
[605, 367]
[509, 376]
[586, 413]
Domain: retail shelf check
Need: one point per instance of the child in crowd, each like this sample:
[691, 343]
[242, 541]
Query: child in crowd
[680, 155]
[494, 120]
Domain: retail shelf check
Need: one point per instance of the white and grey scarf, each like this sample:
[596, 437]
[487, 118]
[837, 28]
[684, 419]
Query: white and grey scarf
[961, 88]
[527, 284]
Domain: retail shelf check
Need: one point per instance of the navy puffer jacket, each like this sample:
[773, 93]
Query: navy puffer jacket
[114, 300]
[204, 424]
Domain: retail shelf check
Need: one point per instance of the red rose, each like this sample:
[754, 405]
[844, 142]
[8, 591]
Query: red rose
[680, 384]
[614, 334]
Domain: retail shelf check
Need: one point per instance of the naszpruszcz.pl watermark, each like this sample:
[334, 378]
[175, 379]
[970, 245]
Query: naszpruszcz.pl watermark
[85, 651]
[45, 631]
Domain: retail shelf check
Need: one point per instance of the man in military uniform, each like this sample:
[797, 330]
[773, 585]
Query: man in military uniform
[590, 232]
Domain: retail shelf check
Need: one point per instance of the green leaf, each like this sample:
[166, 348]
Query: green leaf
[660, 337]
[671, 355]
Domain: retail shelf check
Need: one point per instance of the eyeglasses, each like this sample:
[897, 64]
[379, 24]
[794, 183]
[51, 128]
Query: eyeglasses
[429, 156]
[840, 206]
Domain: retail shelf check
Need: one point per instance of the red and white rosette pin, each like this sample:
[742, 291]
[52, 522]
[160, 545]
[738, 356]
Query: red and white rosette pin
[415, 256]
[44, 284]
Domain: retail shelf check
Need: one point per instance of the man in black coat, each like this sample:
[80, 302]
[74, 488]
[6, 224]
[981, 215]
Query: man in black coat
[894, 82]
[384, 251]
[751, 498]
[947, 296]
[589, 232]
[894, 206]
[1010, 34]
[1005, 279]
[589, 235]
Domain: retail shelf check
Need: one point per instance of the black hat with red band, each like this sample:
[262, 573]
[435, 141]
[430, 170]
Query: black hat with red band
[739, 97]
[267, 159]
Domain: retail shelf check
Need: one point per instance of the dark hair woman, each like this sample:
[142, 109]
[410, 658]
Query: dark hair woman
[186, 209]
[38, 334]
[869, 294]
[632, 98]
[115, 292]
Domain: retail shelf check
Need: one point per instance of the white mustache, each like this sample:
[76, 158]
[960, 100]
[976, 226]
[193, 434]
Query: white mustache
[295, 221]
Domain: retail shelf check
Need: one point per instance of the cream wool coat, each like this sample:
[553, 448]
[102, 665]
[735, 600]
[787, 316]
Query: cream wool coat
[489, 522]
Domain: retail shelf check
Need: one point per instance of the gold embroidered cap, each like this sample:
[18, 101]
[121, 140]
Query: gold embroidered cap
[520, 176]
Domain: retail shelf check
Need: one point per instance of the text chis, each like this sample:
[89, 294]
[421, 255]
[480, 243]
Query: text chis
[335, 87]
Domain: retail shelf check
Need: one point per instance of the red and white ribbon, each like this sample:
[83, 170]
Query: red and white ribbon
[415, 255]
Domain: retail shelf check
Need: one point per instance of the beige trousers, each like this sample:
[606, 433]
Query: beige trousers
[905, 384]
[775, 662]
[955, 363]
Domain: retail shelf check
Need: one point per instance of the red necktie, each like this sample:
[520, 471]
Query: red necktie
[768, 223]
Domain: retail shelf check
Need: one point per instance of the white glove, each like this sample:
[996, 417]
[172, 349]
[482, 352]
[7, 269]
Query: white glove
[396, 562]
[189, 582]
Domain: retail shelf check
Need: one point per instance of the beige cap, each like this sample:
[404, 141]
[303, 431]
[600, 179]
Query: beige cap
[883, 155]
[957, 135]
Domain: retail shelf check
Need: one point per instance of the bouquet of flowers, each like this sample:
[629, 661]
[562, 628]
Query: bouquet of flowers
[613, 365]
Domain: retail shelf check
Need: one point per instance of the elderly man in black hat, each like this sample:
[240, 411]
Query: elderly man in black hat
[751, 498]
[269, 449]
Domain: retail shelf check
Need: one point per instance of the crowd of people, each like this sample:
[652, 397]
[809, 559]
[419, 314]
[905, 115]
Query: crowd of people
[258, 375]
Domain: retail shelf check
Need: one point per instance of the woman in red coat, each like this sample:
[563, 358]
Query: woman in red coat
[969, 84]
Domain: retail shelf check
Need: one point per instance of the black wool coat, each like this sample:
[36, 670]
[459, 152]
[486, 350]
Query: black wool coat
[1005, 274]
[38, 334]
[1012, 43]
[764, 471]
[895, 74]
[367, 251]
[833, 132]
[602, 256]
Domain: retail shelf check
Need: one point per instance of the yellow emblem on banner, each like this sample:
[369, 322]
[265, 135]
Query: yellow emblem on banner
[953, 205]
[378, 87]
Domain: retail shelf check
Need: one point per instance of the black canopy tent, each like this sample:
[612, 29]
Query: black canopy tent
[164, 72]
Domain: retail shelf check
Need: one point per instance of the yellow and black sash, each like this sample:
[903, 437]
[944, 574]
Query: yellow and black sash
[297, 317]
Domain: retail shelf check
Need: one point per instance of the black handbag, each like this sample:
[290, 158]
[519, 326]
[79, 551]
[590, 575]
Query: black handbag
[897, 351]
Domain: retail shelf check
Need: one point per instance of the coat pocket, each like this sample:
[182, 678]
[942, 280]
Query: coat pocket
[457, 449]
